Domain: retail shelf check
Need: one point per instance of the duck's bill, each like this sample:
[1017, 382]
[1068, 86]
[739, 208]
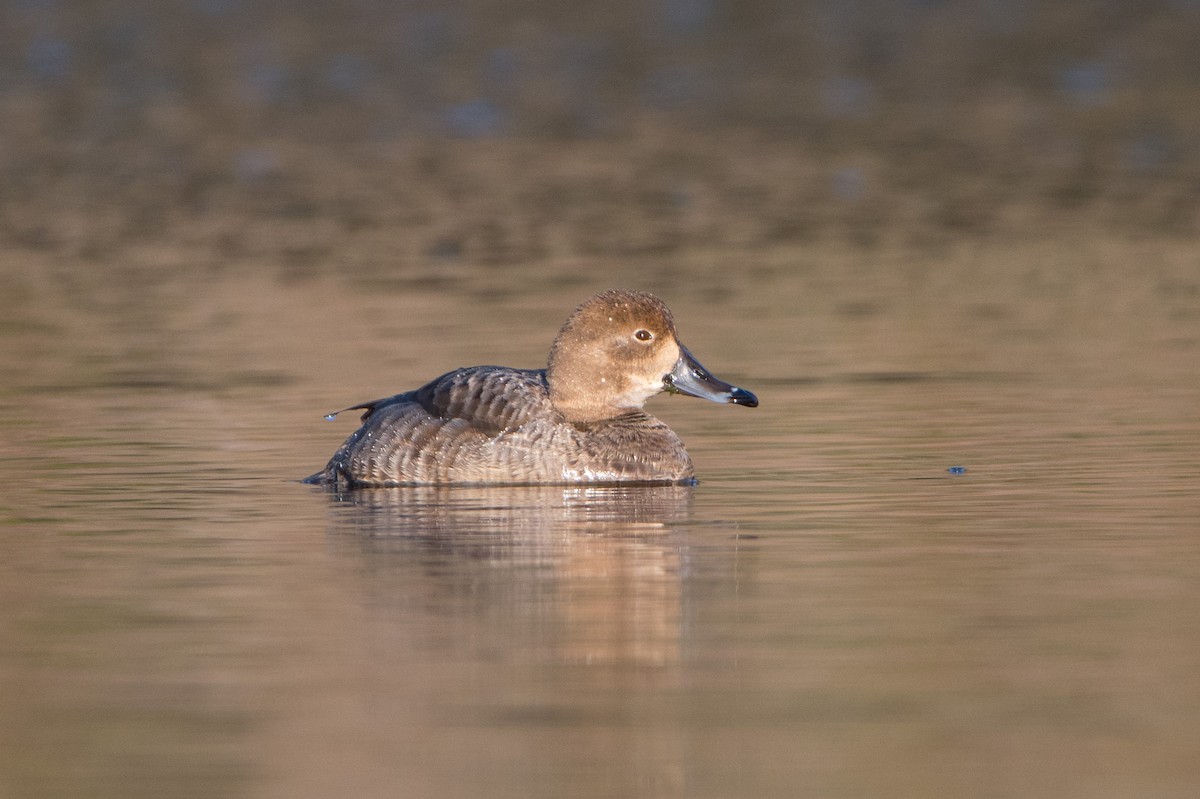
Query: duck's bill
[689, 377]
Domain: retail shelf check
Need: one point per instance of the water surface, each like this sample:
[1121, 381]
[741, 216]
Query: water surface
[834, 611]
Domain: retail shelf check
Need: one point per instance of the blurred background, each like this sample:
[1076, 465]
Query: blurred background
[362, 138]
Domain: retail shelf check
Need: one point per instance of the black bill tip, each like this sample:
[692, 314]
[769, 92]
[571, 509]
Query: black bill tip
[740, 396]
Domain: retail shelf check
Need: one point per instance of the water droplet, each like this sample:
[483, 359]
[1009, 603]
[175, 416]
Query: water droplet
[329, 417]
[957, 470]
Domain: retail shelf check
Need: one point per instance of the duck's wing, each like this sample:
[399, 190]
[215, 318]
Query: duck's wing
[490, 399]
[418, 436]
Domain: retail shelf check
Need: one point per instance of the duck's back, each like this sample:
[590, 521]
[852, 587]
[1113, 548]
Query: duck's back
[491, 424]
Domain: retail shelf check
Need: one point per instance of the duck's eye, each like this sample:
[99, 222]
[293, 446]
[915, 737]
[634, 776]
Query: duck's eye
[643, 335]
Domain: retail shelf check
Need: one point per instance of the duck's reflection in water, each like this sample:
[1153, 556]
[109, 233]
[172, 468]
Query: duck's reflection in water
[571, 573]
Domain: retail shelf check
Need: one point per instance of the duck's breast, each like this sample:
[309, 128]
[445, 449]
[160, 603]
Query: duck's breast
[632, 447]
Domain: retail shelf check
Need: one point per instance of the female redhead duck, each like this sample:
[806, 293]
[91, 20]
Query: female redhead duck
[579, 421]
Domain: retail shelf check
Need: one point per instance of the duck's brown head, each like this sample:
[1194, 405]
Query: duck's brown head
[617, 350]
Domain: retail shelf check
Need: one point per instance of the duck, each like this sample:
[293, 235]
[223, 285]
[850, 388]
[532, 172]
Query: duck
[579, 421]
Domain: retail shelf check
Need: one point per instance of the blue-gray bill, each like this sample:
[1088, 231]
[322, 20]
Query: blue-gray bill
[691, 378]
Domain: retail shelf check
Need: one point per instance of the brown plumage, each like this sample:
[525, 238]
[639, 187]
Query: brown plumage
[580, 420]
